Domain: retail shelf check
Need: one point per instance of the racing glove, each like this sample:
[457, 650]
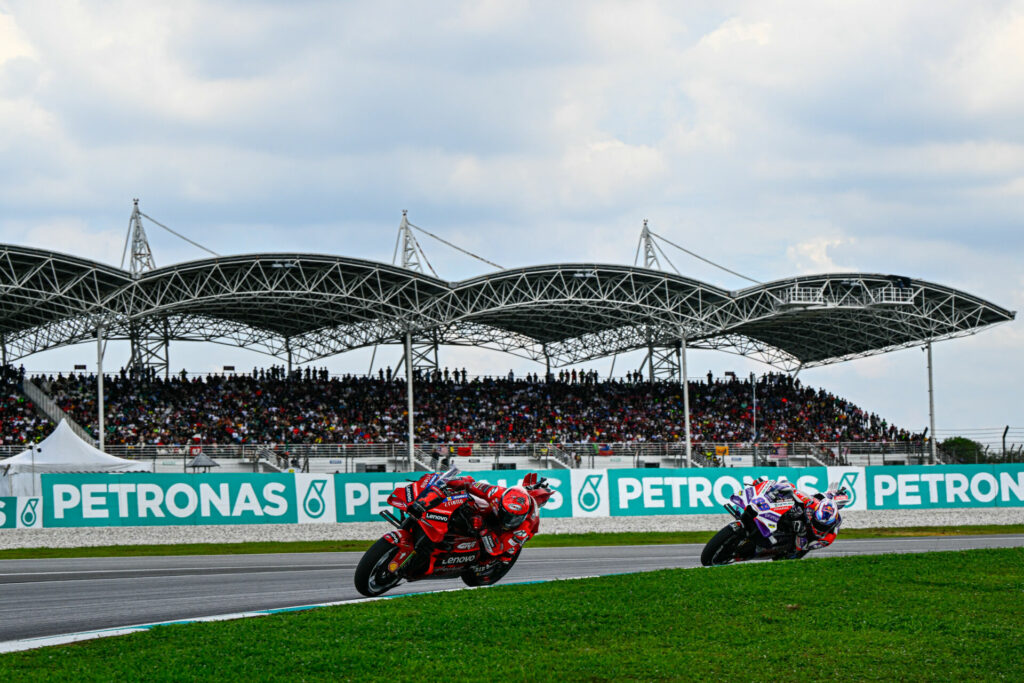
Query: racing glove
[519, 537]
[799, 527]
[460, 483]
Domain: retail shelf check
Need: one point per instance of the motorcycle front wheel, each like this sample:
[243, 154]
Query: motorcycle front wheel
[372, 576]
[721, 549]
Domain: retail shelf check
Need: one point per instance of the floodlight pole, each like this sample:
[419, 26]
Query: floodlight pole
[686, 395]
[931, 404]
[99, 384]
[753, 388]
[408, 395]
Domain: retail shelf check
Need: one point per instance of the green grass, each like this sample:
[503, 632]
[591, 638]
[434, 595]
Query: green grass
[541, 541]
[934, 616]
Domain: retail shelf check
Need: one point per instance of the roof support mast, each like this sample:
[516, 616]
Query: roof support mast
[931, 407]
[661, 361]
[422, 351]
[150, 339]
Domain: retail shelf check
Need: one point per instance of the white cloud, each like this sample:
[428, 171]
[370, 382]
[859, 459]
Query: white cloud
[12, 42]
[986, 68]
[736, 32]
[812, 255]
[69, 235]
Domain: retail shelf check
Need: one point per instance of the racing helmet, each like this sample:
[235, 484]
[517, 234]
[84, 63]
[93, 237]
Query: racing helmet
[824, 516]
[513, 508]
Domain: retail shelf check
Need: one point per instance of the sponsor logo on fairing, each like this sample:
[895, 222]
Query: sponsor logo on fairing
[458, 559]
[436, 517]
[468, 545]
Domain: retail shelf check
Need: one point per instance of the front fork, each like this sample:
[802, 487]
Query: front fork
[409, 547]
[744, 546]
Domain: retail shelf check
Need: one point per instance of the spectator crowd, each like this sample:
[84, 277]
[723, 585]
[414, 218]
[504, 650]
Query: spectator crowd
[272, 406]
[19, 422]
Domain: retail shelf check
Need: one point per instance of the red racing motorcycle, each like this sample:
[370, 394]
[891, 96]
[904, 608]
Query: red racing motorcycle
[438, 545]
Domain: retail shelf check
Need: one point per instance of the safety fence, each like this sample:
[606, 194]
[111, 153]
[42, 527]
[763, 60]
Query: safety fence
[347, 457]
[144, 499]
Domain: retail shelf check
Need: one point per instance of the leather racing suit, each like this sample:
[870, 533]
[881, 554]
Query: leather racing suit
[481, 513]
[806, 535]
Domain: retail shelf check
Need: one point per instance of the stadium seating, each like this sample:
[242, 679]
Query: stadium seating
[266, 407]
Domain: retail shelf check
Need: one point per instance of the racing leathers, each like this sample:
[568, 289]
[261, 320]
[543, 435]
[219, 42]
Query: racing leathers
[481, 513]
[807, 534]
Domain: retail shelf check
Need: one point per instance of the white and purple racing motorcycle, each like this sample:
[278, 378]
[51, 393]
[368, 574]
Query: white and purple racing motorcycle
[767, 516]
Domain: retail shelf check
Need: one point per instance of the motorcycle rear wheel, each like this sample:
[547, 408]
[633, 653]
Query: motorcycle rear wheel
[372, 576]
[721, 549]
[470, 578]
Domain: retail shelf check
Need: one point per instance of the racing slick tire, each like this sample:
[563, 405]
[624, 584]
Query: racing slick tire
[721, 549]
[372, 576]
[493, 575]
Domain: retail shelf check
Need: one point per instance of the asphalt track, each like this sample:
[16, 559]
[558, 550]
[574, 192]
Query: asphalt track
[60, 596]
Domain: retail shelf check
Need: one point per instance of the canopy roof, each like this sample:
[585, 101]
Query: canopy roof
[311, 306]
[202, 460]
[64, 451]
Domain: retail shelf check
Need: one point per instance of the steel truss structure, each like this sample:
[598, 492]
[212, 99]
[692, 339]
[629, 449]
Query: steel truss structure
[423, 350]
[307, 307]
[150, 344]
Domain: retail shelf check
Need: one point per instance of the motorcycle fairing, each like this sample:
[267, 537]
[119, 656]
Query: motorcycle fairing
[767, 513]
[404, 541]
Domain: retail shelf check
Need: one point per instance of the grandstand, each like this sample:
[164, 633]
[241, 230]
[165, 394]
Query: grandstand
[301, 308]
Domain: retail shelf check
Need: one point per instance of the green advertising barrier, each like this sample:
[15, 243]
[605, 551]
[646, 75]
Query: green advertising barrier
[75, 500]
[360, 497]
[20, 513]
[635, 492]
[945, 486]
[8, 512]
[143, 499]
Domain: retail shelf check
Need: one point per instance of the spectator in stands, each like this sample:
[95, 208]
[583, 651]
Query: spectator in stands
[272, 407]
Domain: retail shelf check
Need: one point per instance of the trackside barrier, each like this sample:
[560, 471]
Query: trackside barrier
[145, 499]
[21, 513]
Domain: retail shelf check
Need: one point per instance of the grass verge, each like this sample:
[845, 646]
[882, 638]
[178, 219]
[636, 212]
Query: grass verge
[932, 616]
[541, 541]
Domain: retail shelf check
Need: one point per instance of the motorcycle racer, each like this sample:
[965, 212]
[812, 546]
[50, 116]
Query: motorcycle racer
[816, 518]
[503, 518]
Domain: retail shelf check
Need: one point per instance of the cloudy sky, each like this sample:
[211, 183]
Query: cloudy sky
[775, 138]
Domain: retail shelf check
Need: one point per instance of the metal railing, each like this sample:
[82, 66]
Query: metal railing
[345, 457]
[54, 412]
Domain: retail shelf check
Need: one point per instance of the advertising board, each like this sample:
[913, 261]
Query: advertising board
[143, 499]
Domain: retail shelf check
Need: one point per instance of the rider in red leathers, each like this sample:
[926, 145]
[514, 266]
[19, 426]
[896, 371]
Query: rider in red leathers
[503, 518]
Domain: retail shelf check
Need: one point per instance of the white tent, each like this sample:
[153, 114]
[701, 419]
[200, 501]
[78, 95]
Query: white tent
[61, 451]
